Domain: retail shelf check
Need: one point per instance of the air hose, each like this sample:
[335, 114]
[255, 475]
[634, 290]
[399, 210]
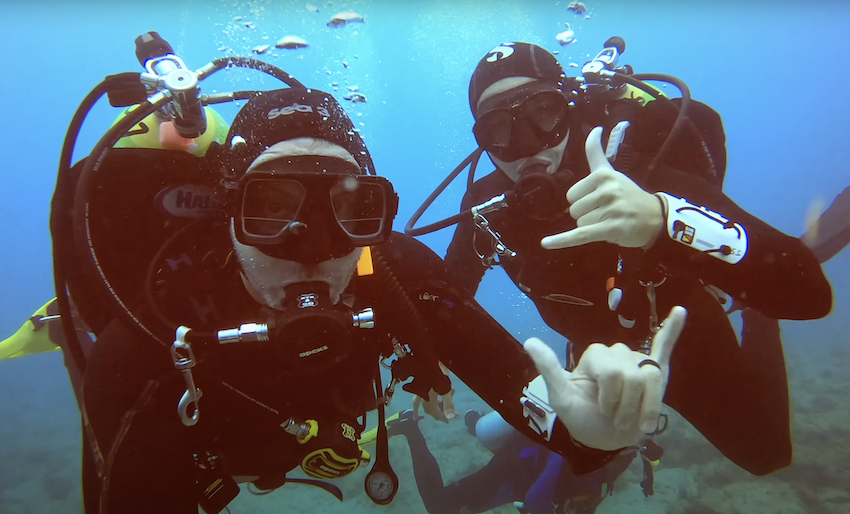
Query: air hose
[682, 118]
[470, 159]
[62, 203]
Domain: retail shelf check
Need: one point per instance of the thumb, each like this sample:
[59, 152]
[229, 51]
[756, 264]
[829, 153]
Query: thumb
[548, 365]
[595, 154]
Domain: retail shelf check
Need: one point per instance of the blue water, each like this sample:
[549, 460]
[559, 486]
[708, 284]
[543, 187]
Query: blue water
[776, 71]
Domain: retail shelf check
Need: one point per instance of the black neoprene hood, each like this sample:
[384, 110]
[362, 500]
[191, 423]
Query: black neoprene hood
[285, 114]
[515, 59]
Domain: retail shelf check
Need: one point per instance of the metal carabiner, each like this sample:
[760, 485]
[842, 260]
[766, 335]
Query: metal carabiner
[185, 363]
[653, 312]
[499, 248]
[399, 351]
[389, 392]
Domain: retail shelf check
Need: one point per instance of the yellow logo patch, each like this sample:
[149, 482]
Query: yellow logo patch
[348, 432]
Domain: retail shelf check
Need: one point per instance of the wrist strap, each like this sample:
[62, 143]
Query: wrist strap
[704, 230]
[535, 407]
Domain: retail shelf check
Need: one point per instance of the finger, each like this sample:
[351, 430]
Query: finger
[629, 405]
[595, 217]
[584, 187]
[599, 214]
[610, 392]
[589, 202]
[547, 364]
[653, 394]
[601, 362]
[595, 154]
[665, 339]
[576, 237]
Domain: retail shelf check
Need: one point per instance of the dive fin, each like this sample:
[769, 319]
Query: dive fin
[31, 338]
[370, 436]
[830, 232]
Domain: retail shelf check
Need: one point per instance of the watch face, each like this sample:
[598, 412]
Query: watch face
[381, 485]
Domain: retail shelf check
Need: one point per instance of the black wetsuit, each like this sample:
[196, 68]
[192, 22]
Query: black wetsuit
[735, 395]
[248, 391]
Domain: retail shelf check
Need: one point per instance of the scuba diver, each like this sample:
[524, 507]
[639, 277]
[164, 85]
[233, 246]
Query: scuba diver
[539, 481]
[243, 299]
[602, 239]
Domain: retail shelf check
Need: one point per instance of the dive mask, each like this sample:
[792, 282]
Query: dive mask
[312, 217]
[520, 123]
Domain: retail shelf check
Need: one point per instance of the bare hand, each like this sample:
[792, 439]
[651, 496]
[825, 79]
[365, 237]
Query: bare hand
[608, 206]
[610, 401]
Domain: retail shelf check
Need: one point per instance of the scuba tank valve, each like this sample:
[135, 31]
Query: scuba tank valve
[166, 71]
[604, 65]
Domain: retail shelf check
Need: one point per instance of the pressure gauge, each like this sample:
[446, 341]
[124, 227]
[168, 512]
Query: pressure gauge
[381, 487]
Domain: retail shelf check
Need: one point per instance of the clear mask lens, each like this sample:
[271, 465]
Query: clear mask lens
[270, 205]
[358, 207]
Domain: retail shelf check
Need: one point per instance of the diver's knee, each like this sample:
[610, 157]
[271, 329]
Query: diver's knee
[493, 431]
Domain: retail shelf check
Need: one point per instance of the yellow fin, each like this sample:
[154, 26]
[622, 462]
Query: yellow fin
[370, 436]
[30, 338]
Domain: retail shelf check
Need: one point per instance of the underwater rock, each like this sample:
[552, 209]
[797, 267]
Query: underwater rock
[312, 8]
[354, 88]
[345, 64]
[577, 7]
[355, 97]
[291, 42]
[260, 49]
[573, 65]
[344, 18]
